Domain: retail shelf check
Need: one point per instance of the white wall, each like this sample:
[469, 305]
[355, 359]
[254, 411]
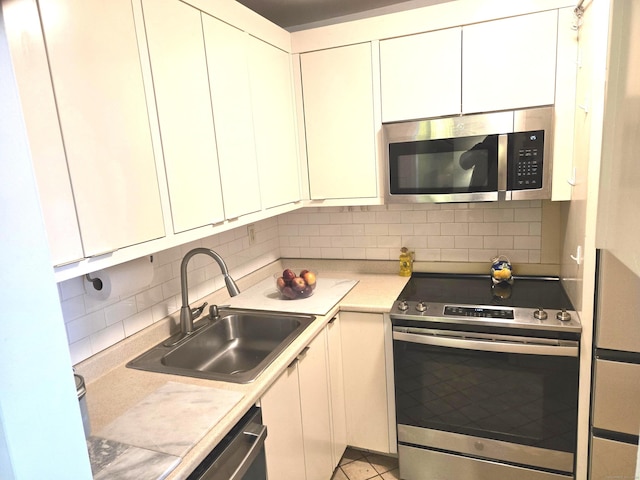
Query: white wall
[40, 424]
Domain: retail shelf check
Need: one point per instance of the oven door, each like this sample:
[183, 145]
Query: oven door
[506, 398]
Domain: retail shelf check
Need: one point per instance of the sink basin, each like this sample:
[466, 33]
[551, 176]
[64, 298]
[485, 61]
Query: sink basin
[236, 347]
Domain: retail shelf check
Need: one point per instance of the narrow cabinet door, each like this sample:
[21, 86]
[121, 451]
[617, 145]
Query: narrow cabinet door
[180, 78]
[284, 446]
[97, 81]
[337, 87]
[315, 402]
[336, 388]
[226, 48]
[274, 123]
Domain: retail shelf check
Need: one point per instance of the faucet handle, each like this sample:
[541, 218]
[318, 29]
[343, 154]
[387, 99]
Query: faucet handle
[196, 312]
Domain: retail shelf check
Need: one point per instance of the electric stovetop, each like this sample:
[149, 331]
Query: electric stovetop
[528, 302]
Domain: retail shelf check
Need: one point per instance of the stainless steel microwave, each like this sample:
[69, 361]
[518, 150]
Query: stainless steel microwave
[470, 158]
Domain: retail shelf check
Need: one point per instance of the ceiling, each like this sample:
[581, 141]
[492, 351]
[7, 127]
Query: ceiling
[298, 14]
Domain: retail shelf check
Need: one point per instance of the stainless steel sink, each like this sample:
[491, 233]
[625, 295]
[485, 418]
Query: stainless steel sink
[236, 347]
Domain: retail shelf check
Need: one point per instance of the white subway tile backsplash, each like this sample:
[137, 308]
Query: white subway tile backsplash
[441, 216]
[475, 232]
[454, 229]
[513, 228]
[121, 310]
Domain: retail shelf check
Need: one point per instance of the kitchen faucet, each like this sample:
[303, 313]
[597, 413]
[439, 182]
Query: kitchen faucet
[186, 314]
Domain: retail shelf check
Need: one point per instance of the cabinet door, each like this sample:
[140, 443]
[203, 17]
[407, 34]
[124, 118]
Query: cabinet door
[180, 78]
[316, 417]
[281, 414]
[97, 80]
[509, 63]
[231, 99]
[365, 381]
[274, 123]
[337, 87]
[45, 140]
[336, 390]
[421, 75]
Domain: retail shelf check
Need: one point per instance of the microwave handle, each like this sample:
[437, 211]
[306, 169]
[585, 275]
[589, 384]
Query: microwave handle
[503, 148]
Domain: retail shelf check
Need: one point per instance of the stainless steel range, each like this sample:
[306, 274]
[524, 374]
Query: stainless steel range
[486, 378]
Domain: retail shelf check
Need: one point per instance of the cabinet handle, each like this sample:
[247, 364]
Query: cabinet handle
[293, 363]
[106, 252]
[303, 353]
[332, 321]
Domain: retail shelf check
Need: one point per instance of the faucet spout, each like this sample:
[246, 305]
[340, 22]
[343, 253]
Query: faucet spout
[186, 316]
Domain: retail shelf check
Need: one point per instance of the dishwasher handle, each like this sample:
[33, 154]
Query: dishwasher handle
[236, 454]
[256, 434]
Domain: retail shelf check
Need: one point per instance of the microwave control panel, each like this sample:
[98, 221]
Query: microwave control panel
[526, 152]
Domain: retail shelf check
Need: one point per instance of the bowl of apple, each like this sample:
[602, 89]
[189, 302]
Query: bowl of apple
[293, 286]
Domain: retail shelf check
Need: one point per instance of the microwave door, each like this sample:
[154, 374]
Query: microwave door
[444, 170]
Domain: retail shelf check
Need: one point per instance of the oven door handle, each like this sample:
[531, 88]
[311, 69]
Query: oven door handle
[489, 346]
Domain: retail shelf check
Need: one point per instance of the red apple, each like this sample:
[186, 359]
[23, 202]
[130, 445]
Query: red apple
[289, 293]
[280, 283]
[298, 284]
[288, 275]
[306, 292]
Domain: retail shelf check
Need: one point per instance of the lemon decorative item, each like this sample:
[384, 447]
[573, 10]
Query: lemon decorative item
[501, 270]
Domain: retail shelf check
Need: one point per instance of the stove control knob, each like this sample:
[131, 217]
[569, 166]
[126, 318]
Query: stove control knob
[540, 314]
[421, 306]
[563, 316]
[403, 305]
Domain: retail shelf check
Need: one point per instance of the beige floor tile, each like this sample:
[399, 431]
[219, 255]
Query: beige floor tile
[382, 463]
[392, 475]
[350, 455]
[338, 474]
[359, 470]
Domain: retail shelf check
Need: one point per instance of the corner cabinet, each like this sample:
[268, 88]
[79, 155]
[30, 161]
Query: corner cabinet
[101, 105]
[302, 412]
[227, 63]
[368, 382]
[338, 95]
[274, 123]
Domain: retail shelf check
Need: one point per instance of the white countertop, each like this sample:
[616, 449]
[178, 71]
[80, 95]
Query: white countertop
[113, 390]
[265, 296]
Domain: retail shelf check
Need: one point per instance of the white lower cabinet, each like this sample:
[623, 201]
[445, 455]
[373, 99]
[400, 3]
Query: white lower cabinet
[297, 410]
[369, 409]
[282, 415]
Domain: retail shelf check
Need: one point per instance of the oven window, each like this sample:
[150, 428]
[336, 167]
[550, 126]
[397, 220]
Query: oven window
[524, 399]
[451, 165]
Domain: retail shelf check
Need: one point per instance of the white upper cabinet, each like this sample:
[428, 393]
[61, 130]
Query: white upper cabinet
[509, 63]
[274, 123]
[180, 79]
[45, 141]
[337, 89]
[421, 75]
[97, 81]
[227, 62]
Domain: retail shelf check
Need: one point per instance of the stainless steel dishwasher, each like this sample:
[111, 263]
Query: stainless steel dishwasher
[239, 455]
